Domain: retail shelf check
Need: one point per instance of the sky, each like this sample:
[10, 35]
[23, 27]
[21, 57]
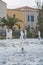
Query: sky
[19, 3]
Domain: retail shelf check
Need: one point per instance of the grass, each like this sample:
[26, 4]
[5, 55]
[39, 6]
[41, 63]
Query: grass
[4, 37]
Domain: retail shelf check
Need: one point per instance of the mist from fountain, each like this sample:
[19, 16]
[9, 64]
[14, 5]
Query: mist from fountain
[39, 35]
[8, 34]
[21, 34]
[25, 33]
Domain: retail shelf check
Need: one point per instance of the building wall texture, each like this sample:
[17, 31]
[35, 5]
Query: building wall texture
[3, 9]
[18, 14]
[30, 23]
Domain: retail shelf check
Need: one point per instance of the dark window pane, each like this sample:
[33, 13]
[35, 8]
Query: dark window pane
[32, 29]
[28, 18]
[32, 18]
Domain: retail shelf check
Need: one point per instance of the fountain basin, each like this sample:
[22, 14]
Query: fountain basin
[11, 53]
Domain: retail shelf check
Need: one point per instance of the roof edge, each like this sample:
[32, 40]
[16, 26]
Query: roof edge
[3, 2]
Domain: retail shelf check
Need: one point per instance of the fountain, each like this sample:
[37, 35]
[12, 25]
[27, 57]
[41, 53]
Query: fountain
[22, 34]
[25, 33]
[39, 35]
[8, 34]
[10, 50]
[22, 37]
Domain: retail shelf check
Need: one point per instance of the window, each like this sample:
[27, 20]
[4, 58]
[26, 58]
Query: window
[32, 29]
[28, 18]
[32, 18]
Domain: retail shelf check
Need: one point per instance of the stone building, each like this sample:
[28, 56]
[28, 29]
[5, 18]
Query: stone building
[3, 9]
[27, 14]
[3, 13]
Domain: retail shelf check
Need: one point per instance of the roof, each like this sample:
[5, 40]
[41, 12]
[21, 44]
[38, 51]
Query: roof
[25, 8]
[3, 2]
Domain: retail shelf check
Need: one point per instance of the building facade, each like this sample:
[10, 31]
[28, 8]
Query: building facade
[3, 9]
[3, 13]
[27, 14]
[18, 14]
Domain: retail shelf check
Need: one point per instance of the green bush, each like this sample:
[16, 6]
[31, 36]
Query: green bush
[31, 35]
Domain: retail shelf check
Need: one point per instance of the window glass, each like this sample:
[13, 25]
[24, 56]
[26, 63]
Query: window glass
[28, 18]
[32, 18]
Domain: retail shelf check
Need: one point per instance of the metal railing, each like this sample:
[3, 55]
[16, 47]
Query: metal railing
[15, 33]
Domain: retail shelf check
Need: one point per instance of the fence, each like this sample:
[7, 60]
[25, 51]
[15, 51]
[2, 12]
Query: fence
[15, 33]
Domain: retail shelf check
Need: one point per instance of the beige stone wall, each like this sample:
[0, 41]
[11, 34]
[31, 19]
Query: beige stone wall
[19, 14]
